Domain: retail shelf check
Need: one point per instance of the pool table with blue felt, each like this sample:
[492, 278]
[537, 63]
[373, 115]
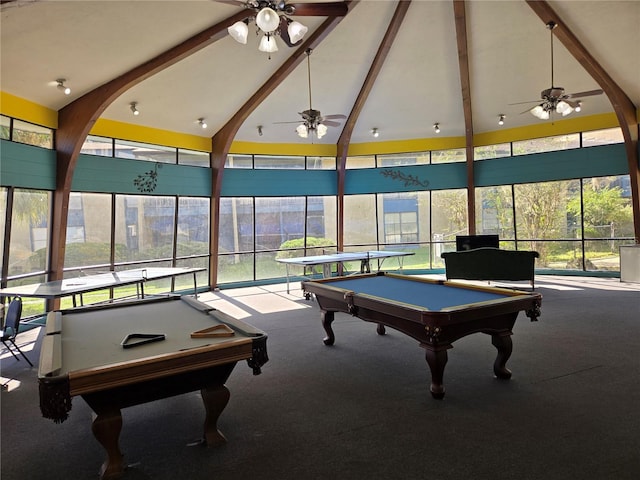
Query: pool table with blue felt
[195, 347]
[434, 312]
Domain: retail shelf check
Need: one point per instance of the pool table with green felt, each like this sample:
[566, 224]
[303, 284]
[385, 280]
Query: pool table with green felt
[434, 312]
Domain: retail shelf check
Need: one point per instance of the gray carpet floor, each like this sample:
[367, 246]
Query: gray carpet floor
[361, 408]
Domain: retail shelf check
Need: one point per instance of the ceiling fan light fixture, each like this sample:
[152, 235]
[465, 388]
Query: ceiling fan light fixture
[239, 31]
[296, 31]
[302, 131]
[564, 108]
[321, 130]
[578, 106]
[268, 20]
[268, 44]
[540, 112]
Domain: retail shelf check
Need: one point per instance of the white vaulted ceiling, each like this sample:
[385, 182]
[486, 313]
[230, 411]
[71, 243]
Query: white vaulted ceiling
[92, 42]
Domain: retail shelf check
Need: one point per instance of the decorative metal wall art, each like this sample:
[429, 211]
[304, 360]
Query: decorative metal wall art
[407, 179]
[147, 181]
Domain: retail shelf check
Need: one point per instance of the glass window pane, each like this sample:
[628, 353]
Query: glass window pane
[88, 230]
[144, 227]
[417, 158]
[321, 163]
[360, 221]
[448, 219]
[449, 156]
[546, 144]
[542, 213]
[494, 212]
[238, 161]
[606, 207]
[360, 162]
[5, 125]
[492, 151]
[279, 162]
[235, 268]
[145, 151]
[602, 137]
[321, 222]
[28, 248]
[193, 226]
[235, 233]
[24, 132]
[279, 220]
[94, 145]
[193, 157]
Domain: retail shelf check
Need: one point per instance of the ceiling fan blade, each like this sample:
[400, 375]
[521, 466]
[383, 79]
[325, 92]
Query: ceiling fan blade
[588, 93]
[239, 3]
[282, 123]
[330, 123]
[528, 101]
[335, 116]
[527, 110]
[328, 9]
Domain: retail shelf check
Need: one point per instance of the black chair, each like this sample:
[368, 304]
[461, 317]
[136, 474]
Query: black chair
[12, 326]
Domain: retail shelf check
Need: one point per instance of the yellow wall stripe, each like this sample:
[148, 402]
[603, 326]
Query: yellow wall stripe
[23, 109]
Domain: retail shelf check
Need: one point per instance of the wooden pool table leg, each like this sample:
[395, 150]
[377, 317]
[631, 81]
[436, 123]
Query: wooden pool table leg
[215, 400]
[437, 359]
[503, 343]
[327, 319]
[106, 427]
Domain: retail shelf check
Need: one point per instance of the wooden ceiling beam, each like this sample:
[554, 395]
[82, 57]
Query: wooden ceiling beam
[222, 140]
[460, 15]
[623, 106]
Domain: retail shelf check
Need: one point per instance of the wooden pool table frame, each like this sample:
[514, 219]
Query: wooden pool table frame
[434, 330]
[110, 387]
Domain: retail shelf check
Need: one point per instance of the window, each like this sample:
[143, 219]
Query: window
[5, 127]
[602, 137]
[418, 158]
[449, 156]
[193, 157]
[193, 226]
[101, 146]
[360, 162]
[277, 162]
[145, 151]
[492, 151]
[360, 228]
[31, 134]
[494, 212]
[321, 163]
[88, 230]
[546, 144]
[239, 161]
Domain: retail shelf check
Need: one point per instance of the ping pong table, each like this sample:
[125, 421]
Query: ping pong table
[339, 258]
[75, 287]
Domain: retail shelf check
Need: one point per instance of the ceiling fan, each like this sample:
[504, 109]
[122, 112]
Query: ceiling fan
[313, 122]
[554, 99]
[273, 18]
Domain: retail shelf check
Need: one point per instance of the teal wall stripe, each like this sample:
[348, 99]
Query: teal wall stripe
[560, 165]
[26, 166]
[107, 174]
[238, 182]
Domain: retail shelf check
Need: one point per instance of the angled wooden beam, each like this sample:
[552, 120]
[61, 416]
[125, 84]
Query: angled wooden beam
[623, 106]
[222, 140]
[459, 12]
[361, 100]
[76, 119]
